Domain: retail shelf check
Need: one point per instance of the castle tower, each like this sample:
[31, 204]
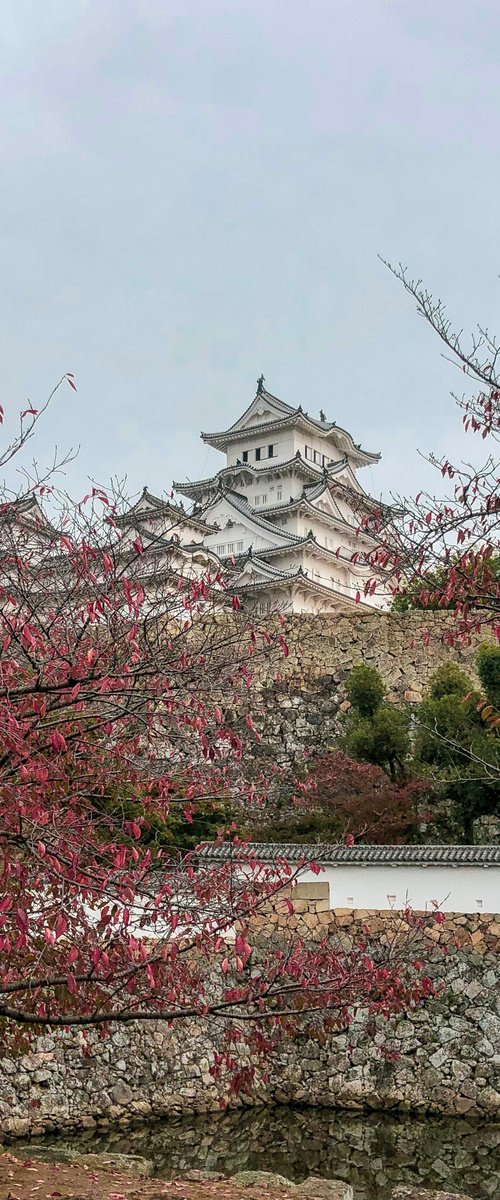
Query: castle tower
[286, 508]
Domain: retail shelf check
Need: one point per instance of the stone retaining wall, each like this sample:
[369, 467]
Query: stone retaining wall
[443, 1058]
[313, 918]
[405, 647]
[301, 695]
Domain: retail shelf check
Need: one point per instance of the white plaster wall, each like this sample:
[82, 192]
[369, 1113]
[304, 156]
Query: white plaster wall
[301, 440]
[463, 889]
[284, 444]
[238, 533]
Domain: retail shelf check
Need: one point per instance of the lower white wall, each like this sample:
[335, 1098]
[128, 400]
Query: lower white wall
[462, 889]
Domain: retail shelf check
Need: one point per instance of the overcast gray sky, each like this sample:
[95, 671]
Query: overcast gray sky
[195, 191]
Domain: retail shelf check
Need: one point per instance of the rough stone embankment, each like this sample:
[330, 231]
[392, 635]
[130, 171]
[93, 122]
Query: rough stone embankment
[442, 1058]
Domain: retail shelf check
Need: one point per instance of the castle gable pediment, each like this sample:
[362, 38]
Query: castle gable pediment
[263, 410]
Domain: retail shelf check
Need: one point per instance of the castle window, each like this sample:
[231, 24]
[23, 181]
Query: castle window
[309, 453]
[230, 547]
[258, 453]
[239, 547]
[245, 456]
[279, 493]
[317, 457]
[220, 550]
[271, 451]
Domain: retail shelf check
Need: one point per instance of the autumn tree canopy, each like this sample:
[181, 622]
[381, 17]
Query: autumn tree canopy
[121, 704]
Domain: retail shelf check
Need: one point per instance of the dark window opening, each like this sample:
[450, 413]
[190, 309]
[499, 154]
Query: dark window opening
[245, 456]
[271, 451]
[257, 454]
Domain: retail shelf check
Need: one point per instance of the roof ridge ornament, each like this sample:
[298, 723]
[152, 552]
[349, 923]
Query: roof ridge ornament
[260, 385]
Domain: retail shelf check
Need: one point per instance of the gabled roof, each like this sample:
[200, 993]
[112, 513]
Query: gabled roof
[242, 507]
[282, 416]
[304, 501]
[306, 582]
[423, 856]
[336, 471]
[263, 568]
[335, 519]
[26, 506]
[149, 505]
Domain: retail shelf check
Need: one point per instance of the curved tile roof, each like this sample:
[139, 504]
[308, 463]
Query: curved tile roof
[307, 468]
[242, 506]
[422, 856]
[220, 438]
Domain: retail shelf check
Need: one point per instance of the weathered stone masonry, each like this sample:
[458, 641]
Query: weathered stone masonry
[300, 709]
[443, 1058]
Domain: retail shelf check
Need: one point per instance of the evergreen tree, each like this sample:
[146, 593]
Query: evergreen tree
[457, 743]
[375, 731]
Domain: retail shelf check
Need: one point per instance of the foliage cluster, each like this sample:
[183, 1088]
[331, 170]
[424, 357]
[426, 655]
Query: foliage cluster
[399, 772]
[451, 739]
[429, 590]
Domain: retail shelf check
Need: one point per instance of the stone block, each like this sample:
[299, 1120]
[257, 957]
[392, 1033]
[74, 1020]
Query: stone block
[312, 891]
[255, 1179]
[325, 916]
[323, 1189]
[122, 1094]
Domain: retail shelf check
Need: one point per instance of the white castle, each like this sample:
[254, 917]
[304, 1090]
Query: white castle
[283, 514]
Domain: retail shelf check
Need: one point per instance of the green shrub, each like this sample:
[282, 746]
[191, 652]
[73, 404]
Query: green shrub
[365, 689]
[488, 666]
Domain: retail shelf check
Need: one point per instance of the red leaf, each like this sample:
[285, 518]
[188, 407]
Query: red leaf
[61, 925]
[57, 742]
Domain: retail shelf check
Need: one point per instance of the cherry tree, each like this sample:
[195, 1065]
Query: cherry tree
[125, 681]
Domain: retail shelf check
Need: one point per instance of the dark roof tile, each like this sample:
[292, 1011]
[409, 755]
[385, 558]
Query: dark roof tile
[362, 855]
